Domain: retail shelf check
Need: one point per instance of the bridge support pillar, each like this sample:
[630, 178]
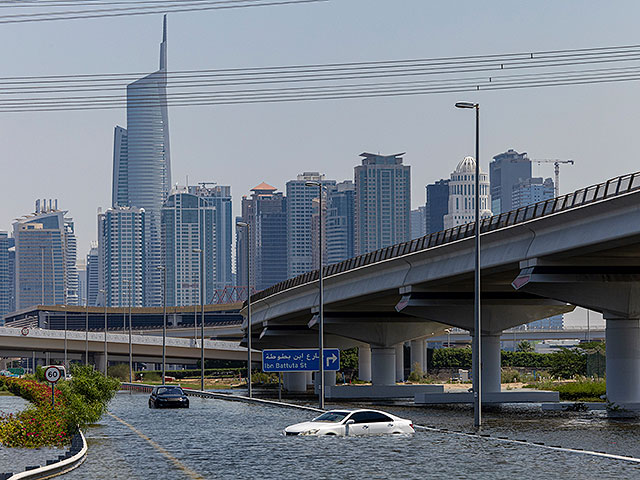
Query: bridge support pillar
[295, 381]
[99, 359]
[419, 354]
[491, 363]
[383, 366]
[364, 363]
[399, 362]
[623, 362]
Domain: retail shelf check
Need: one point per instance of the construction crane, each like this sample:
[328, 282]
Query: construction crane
[556, 164]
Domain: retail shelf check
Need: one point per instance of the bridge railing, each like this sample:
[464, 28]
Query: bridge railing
[594, 193]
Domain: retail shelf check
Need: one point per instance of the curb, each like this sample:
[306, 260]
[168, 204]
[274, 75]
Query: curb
[71, 459]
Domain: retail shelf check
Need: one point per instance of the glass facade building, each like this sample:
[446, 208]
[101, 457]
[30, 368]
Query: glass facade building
[188, 224]
[5, 279]
[45, 258]
[266, 213]
[532, 190]
[382, 202]
[121, 250]
[93, 273]
[437, 206]
[142, 166]
[299, 213]
[505, 170]
[340, 222]
[220, 197]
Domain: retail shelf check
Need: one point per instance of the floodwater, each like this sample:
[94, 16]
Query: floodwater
[229, 440]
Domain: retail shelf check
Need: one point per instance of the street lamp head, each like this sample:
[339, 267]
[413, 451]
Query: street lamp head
[312, 184]
[242, 224]
[197, 250]
[160, 267]
[467, 105]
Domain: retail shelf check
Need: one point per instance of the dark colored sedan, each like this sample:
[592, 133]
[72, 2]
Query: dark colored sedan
[168, 397]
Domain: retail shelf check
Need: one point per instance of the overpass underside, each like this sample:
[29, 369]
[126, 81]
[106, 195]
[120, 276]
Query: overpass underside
[581, 249]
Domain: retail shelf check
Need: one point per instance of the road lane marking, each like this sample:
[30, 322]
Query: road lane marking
[179, 465]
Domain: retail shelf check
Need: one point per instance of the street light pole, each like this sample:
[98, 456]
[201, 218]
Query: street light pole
[477, 353]
[320, 299]
[201, 252]
[66, 367]
[164, 321]
[248, 259]
[106, 358]
[86, 331]
[129, 283]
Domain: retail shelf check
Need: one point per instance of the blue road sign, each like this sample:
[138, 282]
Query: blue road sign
[302, 360]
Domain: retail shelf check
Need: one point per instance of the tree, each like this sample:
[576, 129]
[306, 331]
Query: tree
[525, 346]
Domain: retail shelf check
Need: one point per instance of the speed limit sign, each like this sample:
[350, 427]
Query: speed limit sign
[52, 374]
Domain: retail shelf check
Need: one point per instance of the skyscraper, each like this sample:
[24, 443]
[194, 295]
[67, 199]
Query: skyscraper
[121, 245]
[299, 213]
[437, 205]
[219, 196]
[142, 166]
[81, 268]
[5, 285]
[93, 275]
[266, 213]
[188, 224]
[531, 190]
[418, 222]
[12, 274]
[383, 202]
[462, 194]
[505, 170]
[340, 222]
[45, 258]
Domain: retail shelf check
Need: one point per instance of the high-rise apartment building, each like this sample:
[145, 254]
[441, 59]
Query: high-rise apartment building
[142, 166]
[505, 170]
[219, 196]
[12, 274]
[45, 247]
[340, 222]
[531, 190]
[299, 213]
[462, 194]
[418, 222]
[93, 275]
[188, 225]
[382, 202]
[5, 280]
[81, 268]
[121, 250]
[266, 213]
[437, 206]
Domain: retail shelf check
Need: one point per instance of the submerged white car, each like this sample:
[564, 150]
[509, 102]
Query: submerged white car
[352, 422]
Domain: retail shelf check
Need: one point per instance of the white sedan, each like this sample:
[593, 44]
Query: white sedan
[352, 422]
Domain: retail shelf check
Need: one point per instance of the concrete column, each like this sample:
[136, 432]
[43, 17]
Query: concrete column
[623, 362]
[295, 381]
[364, 363]
[418, 354]
[329, 380]
[383, 366]
[491, 363]
[308, 378]
[99, 359]
[399, 362]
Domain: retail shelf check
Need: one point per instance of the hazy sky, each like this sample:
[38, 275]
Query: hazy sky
[68, 155]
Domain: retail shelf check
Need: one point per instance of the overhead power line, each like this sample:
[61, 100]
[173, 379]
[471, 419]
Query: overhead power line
[153, 8]
[291, 83]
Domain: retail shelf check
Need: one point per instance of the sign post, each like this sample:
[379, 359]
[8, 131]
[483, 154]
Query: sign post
[52, 375]
[300, 360]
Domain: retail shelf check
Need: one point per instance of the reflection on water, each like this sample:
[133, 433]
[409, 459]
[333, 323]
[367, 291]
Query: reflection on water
[219, 439]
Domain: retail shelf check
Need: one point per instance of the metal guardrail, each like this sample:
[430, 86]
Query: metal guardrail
[584, 196]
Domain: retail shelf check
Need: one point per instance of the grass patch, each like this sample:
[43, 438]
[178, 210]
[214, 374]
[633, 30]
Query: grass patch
[580, 390]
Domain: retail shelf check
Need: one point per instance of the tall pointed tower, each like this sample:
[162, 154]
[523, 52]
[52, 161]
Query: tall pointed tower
[142, 165]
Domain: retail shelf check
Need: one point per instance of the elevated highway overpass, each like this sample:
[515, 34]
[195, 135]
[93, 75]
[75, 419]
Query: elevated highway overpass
[28, 342]
[541, 260]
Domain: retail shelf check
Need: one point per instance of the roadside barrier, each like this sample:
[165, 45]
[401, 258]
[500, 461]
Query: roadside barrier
[64, 463]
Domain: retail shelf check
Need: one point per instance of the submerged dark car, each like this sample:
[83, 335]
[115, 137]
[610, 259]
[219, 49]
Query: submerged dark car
[168, 396]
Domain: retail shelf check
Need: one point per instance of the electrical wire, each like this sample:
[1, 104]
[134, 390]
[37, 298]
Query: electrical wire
[205, 5]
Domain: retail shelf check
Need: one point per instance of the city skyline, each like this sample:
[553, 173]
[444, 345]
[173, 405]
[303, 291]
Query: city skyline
[548, 123]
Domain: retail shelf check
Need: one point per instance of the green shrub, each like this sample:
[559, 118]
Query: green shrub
[568, 363]
[416, 375]
[452, 358]
[119, 371]
[582, 390]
